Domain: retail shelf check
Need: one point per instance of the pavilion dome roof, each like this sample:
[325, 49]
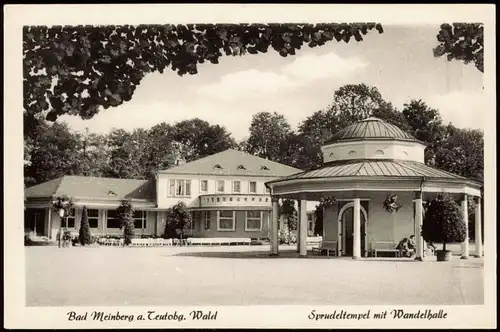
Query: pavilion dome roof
[371, 129]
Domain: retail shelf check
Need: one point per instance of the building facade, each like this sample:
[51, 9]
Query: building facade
[365, 166]
[225, 194]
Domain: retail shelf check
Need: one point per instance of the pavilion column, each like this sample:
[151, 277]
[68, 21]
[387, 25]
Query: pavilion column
[465, 212]
[419, 216]
[356, 250]
[478, 230]
[274, 227]
[298, 225]
[302, 240]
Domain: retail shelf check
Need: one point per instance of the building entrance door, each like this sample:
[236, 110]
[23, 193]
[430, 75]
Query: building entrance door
[348, 229]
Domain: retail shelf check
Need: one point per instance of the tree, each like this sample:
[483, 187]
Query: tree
[127, 158]
[95, 155]
[354, 102]
[287, 209]
[125, 214]
[443, 221]
[351, 103]
[52, 154]
[200, 139]
[178, 219]
[84, 234]
[426, 125]
[318, 213]
[269, 133]
[96, 66]
[462, 153]
[461, 41]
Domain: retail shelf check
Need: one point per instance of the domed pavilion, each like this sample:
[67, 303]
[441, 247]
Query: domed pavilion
[375, 180]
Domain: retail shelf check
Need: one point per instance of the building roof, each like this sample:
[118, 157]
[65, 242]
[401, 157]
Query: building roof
[94, 187]
[233, 162]
[371, 128]
[366, 168]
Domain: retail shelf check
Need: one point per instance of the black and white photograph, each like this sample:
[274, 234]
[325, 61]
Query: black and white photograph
[250, 166]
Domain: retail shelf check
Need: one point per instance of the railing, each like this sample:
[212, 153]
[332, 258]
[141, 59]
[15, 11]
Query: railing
[235, 200]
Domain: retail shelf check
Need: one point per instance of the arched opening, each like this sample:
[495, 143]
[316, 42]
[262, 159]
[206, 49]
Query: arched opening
[346, 230]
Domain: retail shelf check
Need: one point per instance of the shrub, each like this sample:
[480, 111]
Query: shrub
[443, 221]
[178, 219]
[84, 234]
[286, 237]
[125, 214]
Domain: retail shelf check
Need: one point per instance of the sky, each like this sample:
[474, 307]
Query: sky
[399, 62]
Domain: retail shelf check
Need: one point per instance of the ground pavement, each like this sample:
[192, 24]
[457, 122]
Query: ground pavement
[103, 276]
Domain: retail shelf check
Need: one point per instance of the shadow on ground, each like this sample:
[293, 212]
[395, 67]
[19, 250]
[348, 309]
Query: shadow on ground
[282, 255]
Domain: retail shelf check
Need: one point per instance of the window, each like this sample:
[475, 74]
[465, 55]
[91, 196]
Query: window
[171, 187]
[264, 168]
[220, 186]
[241, 167]
[225, 221]
[204, 185]
[268, 191]
[253, 187]
[352, 153]
[218, 166]
[112, 220]
[236, 186]
[69, 221]
[179, 188]
[93, 218]
[140, 219]
[253, 221]
[207, 219]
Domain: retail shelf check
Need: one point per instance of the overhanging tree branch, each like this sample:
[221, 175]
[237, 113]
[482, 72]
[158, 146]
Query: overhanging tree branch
[94, 66]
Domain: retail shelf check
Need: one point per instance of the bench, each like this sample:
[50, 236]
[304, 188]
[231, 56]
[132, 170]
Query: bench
[314, 241]
[218, 241]
[327, 247]
[385, 247]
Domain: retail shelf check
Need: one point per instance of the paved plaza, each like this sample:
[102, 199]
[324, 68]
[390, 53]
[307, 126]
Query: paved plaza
[105, 276]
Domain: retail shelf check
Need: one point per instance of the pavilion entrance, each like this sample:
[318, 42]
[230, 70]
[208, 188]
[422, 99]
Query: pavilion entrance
[346, 228]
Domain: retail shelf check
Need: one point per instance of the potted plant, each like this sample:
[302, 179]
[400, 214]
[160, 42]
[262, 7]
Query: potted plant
[443, 223]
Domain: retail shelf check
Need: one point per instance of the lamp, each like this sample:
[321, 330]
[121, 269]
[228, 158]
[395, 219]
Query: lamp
[61, 214]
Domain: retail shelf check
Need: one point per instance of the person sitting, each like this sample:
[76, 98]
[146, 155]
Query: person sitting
[411, 244]
[431, 248]
[402, 246]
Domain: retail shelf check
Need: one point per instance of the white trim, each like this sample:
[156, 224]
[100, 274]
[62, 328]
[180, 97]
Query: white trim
[250, 186]
[232, 187]
[373, 141]
[201, 190]
[225, 229]
[253, 229]
[217, 186]
[206, 217]
[93, 218]
[341, 228]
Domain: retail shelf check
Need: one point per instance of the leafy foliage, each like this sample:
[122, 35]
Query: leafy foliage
[462, 153]
[287, 209]
[125, 215]
[63, 202]
[96, 66]
[443, 221]
[269, 133]
[178, 219]
[85, 236]
[461, 41]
